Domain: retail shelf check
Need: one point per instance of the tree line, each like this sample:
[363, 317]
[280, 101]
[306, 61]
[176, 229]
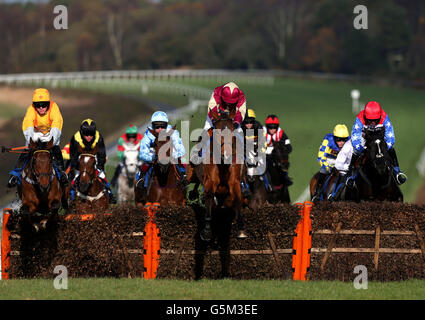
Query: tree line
[313, 35]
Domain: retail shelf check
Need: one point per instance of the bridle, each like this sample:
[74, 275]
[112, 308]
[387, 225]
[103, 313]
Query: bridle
[34, 173]
[85, 171]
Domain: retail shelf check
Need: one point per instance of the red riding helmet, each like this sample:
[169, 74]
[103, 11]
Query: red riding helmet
[272, 119]
[230, 93]
[372, 110]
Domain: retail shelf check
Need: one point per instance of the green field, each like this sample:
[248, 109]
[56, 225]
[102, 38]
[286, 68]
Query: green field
[102, 288]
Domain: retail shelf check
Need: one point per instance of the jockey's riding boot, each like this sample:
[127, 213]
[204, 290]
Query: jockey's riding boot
[320, 181]
[246, 193]
[117, 172]
[350, 180]
[58, 161]
[182, 176]
[111, 196]
[399, 176]
[288, 180]
[140, 184]
[338, 181]
[14, 179]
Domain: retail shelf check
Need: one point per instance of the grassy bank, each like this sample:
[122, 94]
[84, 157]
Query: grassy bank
[103, 288]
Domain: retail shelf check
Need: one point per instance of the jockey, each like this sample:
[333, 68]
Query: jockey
[328, 151]
[159, 122]
[42, 116]
[275, 133]
[88, 137]
[223, 99]
[66, 156]
[373, 116]
[132, 136]
[248, 123]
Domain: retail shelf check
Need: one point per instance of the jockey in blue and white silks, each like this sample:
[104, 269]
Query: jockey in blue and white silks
[159, 122]
[373, 116]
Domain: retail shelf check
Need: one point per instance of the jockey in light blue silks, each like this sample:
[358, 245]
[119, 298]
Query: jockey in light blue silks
[159, 122]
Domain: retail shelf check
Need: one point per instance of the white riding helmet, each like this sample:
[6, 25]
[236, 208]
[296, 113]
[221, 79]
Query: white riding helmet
[159, 116]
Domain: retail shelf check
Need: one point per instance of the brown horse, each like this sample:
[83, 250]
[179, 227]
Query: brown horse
[222, 177]
[163, 185]
[91, 196]
[41, 190]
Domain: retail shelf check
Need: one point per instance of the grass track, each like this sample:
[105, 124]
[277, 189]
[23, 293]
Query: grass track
[116, 289]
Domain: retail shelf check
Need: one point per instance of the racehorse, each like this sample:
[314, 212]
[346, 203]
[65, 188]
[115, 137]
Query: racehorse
[222, 177]
[41, 190]
[331, 191]
[127, 175]
[254, 179]
[374, 178]
[163, 184]
[277, 166]
[90, 193]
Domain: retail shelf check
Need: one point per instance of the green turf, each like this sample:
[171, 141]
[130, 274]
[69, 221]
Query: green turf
[102, 288]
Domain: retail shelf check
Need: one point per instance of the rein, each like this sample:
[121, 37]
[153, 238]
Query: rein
[34, 181]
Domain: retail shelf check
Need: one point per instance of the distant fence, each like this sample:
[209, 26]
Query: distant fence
[255, 77]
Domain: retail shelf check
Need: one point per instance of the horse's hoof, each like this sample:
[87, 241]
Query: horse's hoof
[206, 234]
[36, 227]
[43, 224]
[242, 234]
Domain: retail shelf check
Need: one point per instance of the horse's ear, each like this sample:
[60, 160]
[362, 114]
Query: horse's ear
[153, 132]
[232, 113]
[215, 115]
[172, 130]
[94, 151]
[33, 145]
[80, 149]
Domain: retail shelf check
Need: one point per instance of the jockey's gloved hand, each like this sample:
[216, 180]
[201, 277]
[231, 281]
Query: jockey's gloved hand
[56, 134]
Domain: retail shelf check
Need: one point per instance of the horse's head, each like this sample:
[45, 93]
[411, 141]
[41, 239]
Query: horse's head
[226, 140]
[163, 146]
[280, 155]
[376, 149]
[41, 163]
[131, 159]
[87, 168]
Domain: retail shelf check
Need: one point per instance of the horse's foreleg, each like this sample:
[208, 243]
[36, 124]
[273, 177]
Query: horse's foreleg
[206, 233]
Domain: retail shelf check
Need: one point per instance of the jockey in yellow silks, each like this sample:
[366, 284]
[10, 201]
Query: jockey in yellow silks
[43, 121]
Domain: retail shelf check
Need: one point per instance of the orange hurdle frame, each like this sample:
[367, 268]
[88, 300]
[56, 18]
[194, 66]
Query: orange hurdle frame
[302, 243]
[151, 242]
[5, 247]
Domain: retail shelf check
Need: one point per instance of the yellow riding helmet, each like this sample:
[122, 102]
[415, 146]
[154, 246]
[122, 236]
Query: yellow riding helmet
[40, 94]
[341, 131]
[251, 113]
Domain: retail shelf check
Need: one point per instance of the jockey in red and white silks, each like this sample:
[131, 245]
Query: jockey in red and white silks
[224, 97]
